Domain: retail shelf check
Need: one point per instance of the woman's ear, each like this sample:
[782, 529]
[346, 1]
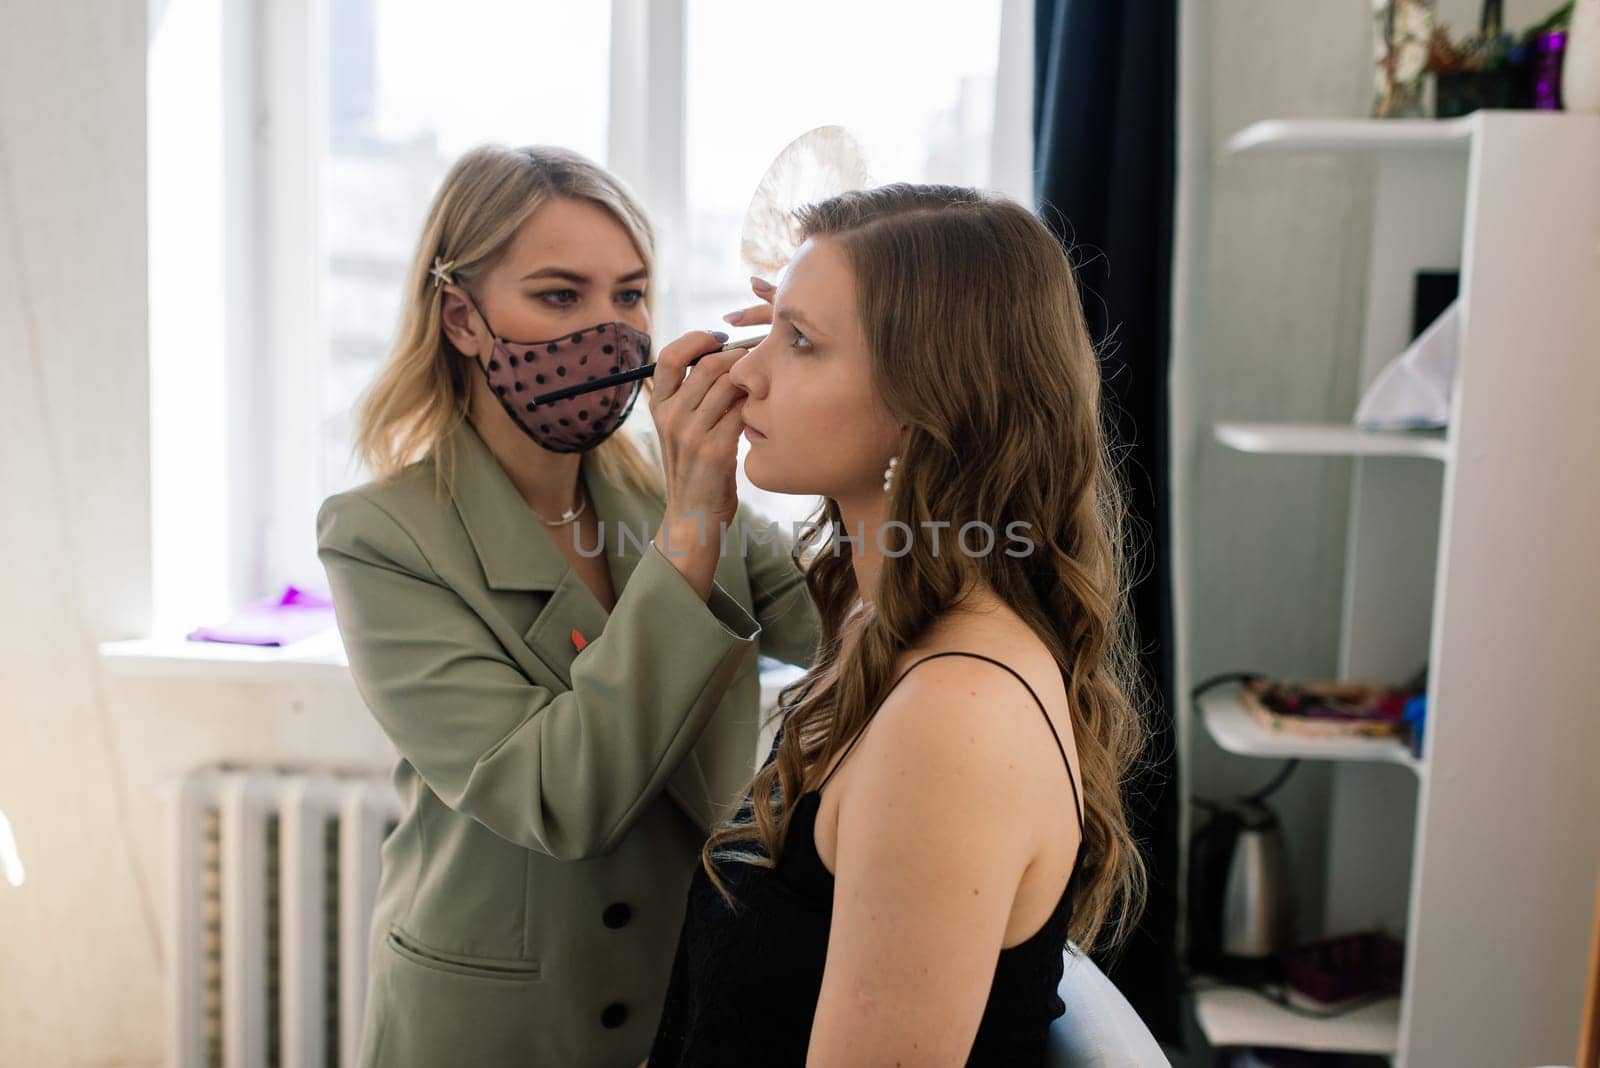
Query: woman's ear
[455, 315]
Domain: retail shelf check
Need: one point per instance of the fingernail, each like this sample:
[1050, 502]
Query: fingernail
[733, 317]
[760, 283]
[719, 335]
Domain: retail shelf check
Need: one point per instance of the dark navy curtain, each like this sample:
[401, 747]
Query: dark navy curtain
[1104, 102]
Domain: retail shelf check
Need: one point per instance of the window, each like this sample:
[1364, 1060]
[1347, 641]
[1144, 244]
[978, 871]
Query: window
[410, 88]
[360, 107]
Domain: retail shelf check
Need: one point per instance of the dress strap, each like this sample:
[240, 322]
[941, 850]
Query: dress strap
[1076, 799]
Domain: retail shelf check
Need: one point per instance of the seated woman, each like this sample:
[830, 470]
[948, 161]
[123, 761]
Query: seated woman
[909, 864]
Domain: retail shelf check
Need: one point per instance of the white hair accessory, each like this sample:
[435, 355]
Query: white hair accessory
[441, 271]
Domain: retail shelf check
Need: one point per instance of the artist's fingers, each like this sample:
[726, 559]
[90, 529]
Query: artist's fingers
[757, 313]
[705, 374]
[751, 316]
[720, 399]
[673, 361]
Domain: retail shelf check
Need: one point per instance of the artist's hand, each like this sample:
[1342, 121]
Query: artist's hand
[697, 415]
[756, 313]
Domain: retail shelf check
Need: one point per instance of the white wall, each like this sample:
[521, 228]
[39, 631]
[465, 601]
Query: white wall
[78, 935]
[81, 754]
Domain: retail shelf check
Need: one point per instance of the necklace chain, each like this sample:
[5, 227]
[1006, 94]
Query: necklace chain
[570, 515]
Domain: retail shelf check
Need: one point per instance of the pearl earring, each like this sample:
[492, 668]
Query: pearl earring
[888, 473]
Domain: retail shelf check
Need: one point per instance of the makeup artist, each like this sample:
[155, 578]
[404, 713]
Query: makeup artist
[570, 722]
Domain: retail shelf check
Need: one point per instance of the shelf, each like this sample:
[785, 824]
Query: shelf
[1231, 1016]
[1332, 439]
[1235, 730]
[1354, 135]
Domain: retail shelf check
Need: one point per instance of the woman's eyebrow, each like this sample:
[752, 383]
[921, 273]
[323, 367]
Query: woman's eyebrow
[579, 278]
[800, 318]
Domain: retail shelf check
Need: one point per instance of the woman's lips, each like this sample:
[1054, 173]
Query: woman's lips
[753, 434]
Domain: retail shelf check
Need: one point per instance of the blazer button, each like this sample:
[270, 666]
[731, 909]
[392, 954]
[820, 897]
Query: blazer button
[617, 915]
[615, 1016]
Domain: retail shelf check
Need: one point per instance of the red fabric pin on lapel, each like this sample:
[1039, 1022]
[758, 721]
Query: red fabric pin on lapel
[578, 640]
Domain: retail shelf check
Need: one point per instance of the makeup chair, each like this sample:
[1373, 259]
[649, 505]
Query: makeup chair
[1099, 1028]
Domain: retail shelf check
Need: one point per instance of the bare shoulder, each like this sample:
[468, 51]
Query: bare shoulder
[968, 723]
[1017, 660]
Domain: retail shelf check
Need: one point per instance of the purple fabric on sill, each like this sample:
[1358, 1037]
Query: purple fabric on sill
[281, 620]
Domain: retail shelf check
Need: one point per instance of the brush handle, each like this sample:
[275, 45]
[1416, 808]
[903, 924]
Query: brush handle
[621, 377]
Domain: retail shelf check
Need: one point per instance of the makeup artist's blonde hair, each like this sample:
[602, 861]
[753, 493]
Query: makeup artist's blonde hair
[422, 393]
[979, 346]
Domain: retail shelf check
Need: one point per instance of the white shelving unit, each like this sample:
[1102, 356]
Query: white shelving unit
[1476, 552]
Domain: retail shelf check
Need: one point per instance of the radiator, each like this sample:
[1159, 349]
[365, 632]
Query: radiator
[275, 873]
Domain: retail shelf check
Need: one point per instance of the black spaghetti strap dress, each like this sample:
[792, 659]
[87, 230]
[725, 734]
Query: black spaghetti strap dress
[745, 982]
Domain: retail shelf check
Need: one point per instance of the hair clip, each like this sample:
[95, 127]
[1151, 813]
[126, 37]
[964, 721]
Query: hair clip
[441, 271]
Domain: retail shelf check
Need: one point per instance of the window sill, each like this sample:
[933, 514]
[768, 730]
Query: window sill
[315, 660]
[319, 658]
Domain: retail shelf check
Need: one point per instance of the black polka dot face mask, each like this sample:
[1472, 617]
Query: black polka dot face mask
[519, 371]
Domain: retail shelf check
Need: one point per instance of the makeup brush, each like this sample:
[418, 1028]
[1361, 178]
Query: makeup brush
[648, 370]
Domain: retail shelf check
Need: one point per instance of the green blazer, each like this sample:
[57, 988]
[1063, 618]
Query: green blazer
[555, 801]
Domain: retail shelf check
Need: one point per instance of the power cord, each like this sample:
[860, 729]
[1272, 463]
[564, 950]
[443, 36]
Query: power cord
[1273, 784]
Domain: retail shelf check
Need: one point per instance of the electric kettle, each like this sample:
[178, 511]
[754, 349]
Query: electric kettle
[1239, 901]
[1256, 921]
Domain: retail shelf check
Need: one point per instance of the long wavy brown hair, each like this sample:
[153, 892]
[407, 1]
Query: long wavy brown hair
[423, 391]
[979, 346]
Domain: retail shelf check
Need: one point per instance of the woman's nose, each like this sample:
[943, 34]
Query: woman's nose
[747, 373]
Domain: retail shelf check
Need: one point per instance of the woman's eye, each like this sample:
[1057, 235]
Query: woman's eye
[559, 297]
[633, 296]
[800, 340]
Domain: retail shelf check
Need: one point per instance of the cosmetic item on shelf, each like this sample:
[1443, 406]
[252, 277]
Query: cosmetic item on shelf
[1401, 32]
[1339, 972]
[1327, 709]
[1416, 720]
[1549, 49]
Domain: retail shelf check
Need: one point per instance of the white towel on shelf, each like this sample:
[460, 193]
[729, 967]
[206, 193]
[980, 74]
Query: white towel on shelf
[1413, 391]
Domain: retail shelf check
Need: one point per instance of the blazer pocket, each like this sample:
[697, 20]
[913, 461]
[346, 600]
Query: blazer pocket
[461, 964]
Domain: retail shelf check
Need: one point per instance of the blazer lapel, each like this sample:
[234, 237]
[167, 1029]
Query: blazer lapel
[518, 552]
